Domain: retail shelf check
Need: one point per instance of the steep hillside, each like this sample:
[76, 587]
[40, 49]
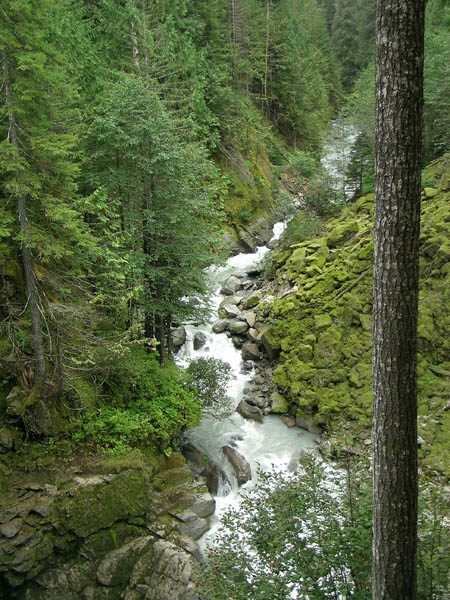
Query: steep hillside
[321, 321]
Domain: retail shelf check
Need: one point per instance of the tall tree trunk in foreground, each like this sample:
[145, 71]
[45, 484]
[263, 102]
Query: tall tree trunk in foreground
[22, 216]
[399, 68]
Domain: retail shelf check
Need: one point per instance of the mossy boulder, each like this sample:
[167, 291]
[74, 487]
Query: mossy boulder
[325, 338]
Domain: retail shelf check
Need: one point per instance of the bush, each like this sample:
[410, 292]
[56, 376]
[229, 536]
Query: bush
[312, 533]
[210, 377]
[151, 405]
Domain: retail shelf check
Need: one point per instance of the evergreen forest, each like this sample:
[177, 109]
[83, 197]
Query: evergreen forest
[140, 140]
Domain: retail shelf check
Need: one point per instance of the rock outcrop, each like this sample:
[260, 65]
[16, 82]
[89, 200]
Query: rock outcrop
[108, 535]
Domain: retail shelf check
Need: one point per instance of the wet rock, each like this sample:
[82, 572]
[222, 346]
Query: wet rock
[231, 286]
[221, 325]
[204, 505]
[178, 336]
[237, 341]
[273, 244]
[255, 270]
[238, 327]
[247, 365]
[308, 424]
[250, 351]
[260, 402]
[249, 411]
[202, 465]
[199, 340]
[240, 466]
[117, 565]
[279, 403]
[288, 421]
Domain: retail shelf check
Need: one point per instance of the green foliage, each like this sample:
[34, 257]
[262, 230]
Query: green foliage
[151, 406]
[311, 532]
[310, 527]
[303, 226]
[210, 377]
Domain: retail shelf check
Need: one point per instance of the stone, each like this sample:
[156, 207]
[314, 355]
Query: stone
[237, 341]
[240, 466]
[201, 464]
[247, 365]
[271, 344]
[199, 340]
[229, 310]
[288, 421]
[250, 317]
[178, 336]
[253, 335]
[231, 286]
[247, 241]
[252, 300]
[260, 402]
[250, 351]
[204, 505]
[250, 412]
[172, 574]
[8, 439]
[255, 270]
[279, 403]
[195, 527]
[16, 402]
[11, 528]
[238, 327]
[116, 567]
[221, 325]
[308, 424]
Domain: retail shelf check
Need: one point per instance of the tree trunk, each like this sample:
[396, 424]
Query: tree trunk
[399, 61]
[27, 258]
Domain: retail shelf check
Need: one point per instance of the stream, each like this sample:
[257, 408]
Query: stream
[266, 445]
[270, 445]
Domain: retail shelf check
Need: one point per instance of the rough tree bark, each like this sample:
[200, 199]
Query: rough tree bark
[27, 258]
[399, 85]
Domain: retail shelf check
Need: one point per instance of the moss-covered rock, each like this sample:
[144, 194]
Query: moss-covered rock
[325, 331]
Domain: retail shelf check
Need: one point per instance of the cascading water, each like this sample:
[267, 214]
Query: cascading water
[265, 445]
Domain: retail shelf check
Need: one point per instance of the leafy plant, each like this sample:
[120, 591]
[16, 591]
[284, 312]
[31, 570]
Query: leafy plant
[210, 377]
[310, 534]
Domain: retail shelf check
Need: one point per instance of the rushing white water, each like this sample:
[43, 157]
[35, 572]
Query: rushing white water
[264, 445]
[336, 157]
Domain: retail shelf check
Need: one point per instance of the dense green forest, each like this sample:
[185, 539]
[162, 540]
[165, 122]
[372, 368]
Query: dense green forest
[127, 126]
[139, 140]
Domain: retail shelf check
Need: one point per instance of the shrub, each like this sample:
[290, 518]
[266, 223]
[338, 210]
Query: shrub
[311, 533]
[151, 405]
[210, 377]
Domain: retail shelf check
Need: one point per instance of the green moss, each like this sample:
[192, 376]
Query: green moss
[328, 373]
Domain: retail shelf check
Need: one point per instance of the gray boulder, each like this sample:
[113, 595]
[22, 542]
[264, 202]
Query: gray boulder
[249, 411]
[119, 563]
[308, 424]
[231, 286]
[199, 340]
[238, 327]
[240, 466]
[221, 325]
[178, 336]
[250, 351]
